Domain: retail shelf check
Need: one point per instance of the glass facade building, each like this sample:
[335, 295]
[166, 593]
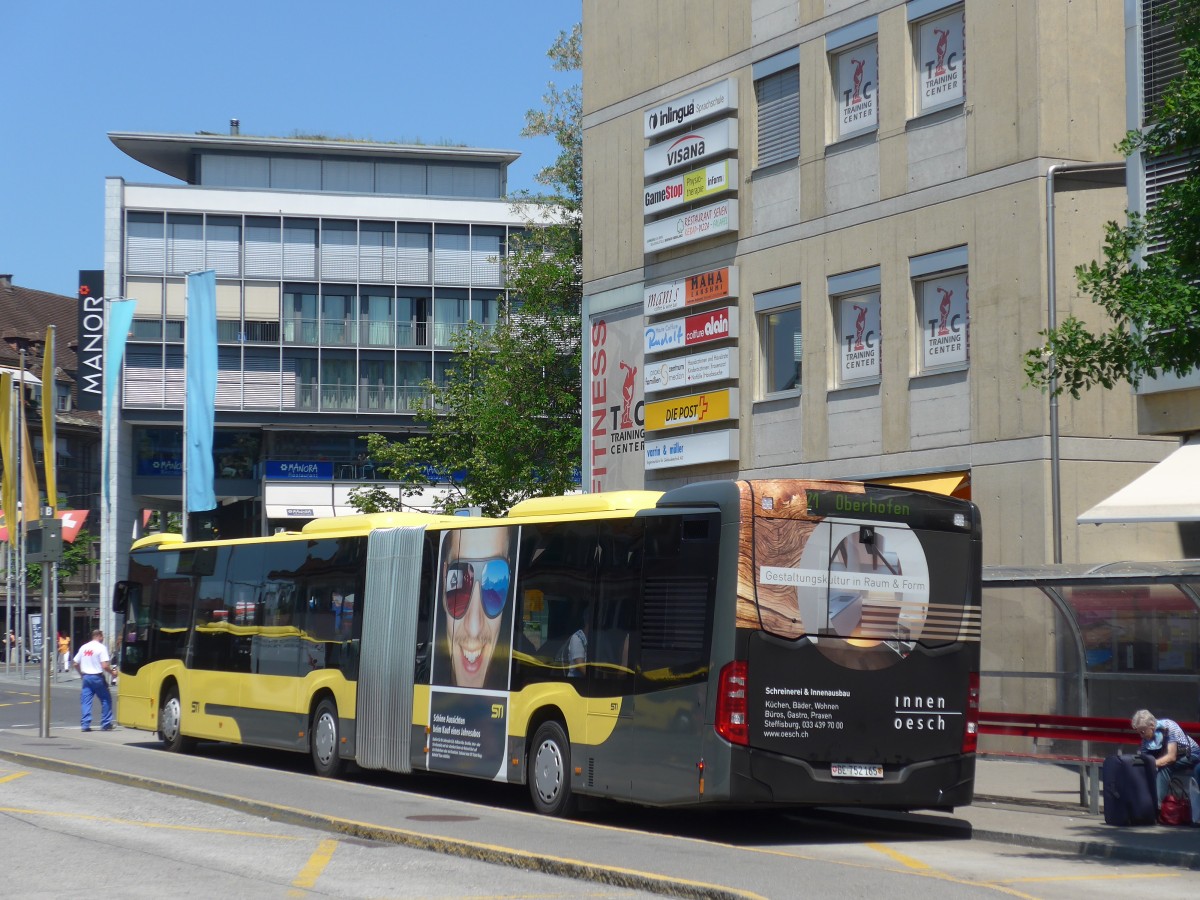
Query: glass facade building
[344, 270]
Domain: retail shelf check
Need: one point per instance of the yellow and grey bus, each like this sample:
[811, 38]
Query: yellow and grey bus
[780, 641]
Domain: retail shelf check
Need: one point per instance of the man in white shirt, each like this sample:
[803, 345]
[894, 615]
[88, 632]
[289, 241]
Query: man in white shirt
[93, 664]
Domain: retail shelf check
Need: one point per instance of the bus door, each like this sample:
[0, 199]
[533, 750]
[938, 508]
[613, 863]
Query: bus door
[210, 695]
[276, 636]
[674, 633]
[611, 677]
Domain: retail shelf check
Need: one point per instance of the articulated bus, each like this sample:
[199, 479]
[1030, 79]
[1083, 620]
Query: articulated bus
[730, 643]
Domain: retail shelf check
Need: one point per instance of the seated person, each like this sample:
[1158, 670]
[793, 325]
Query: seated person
[1175, 752]
[574, 652]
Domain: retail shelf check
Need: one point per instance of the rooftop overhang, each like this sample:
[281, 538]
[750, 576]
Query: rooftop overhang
[1169, 492]
[172, 154]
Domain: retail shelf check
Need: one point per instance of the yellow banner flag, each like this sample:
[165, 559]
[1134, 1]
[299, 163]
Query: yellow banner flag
[31, 507]
[49, 454]
[8, 478]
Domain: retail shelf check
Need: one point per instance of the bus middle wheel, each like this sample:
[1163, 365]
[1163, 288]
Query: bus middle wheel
[550, 771]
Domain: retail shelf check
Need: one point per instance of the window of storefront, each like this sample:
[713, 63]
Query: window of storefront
[780, 331]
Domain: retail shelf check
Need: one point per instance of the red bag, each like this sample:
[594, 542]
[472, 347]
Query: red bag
[1175, 811]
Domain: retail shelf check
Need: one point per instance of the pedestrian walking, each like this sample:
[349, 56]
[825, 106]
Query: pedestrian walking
[64, 651]
[93, 664]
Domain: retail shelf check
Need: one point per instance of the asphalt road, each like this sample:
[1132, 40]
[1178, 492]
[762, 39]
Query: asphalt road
[255, 823]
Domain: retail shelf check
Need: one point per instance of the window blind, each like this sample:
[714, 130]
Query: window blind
[778, 98]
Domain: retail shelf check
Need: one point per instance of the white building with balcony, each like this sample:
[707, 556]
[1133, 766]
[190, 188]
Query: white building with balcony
[343, 270]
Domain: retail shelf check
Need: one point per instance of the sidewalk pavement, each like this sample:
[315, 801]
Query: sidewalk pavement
[1035, 804]
[1029, 804]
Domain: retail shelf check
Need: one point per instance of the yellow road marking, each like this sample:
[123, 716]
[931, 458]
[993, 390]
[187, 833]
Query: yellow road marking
[13, 810]
[316, 864]
[12, 777]
[911, 865]
[904, 860]
[1089, 878]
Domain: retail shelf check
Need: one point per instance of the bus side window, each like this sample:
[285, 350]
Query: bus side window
[554, 594]
[678, 584]
[620, 573]
[426, 603]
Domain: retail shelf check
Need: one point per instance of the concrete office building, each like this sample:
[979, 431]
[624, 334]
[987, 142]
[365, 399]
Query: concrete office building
[820, 237]
[343, 270]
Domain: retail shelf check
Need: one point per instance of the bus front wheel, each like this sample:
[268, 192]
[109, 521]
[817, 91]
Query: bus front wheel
[324, 740]
[170, 723]
[550, 771]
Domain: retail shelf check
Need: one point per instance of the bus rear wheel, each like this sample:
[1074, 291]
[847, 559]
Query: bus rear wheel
[170, 723]
[324, 738]
[550, 771]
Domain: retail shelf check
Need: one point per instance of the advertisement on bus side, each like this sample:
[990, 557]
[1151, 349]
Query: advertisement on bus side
[468, 715]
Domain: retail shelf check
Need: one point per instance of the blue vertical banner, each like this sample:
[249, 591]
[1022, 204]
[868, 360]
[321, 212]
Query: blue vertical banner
[199, 406]
[118, 320]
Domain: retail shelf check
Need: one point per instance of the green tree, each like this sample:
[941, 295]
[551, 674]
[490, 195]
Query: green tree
[505, 424]
[1151, 296]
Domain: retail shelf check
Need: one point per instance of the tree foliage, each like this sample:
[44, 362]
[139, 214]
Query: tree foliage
[505, 422]
[1148, 282]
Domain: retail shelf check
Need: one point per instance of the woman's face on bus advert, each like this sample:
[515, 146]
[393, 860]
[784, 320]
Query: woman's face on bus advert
[474, 593]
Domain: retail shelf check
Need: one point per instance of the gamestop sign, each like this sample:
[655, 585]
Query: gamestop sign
[694, 225]
[705, 103]
[688, 187]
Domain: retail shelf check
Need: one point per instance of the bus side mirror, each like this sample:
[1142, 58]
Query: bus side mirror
[124, 594]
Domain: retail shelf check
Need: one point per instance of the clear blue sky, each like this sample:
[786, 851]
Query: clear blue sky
[462, 71]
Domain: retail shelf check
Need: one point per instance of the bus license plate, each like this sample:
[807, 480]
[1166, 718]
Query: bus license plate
[855, 770]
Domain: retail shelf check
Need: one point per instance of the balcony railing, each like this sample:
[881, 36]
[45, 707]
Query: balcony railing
[339, 397]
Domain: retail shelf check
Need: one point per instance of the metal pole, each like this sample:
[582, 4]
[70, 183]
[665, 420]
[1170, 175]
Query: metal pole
[47, 671]
[22, 580]
[54, 605]
[8, 590]
[1052, 323]
[184, 447]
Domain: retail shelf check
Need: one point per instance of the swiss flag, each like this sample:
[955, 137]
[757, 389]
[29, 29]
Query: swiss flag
[72, 521]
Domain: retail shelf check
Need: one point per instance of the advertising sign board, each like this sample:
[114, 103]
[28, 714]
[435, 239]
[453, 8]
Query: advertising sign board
[693, 225]
[703, 287]
[692, 449]
[704, 103]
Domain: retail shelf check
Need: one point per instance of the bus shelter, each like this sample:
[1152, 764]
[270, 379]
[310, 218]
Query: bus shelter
[1092, 640]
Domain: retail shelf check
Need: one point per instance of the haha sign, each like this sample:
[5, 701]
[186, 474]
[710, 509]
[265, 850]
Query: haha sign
[704, 287]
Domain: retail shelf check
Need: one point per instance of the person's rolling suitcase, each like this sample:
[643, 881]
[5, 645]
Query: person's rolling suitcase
[1128, 791]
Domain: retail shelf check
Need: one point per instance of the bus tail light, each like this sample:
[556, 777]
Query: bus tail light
[971, 731]
[732, 721]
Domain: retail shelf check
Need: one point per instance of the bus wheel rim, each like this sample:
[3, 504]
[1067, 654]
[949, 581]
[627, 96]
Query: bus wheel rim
[323, 738]
[170, 719]
[548, 771]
